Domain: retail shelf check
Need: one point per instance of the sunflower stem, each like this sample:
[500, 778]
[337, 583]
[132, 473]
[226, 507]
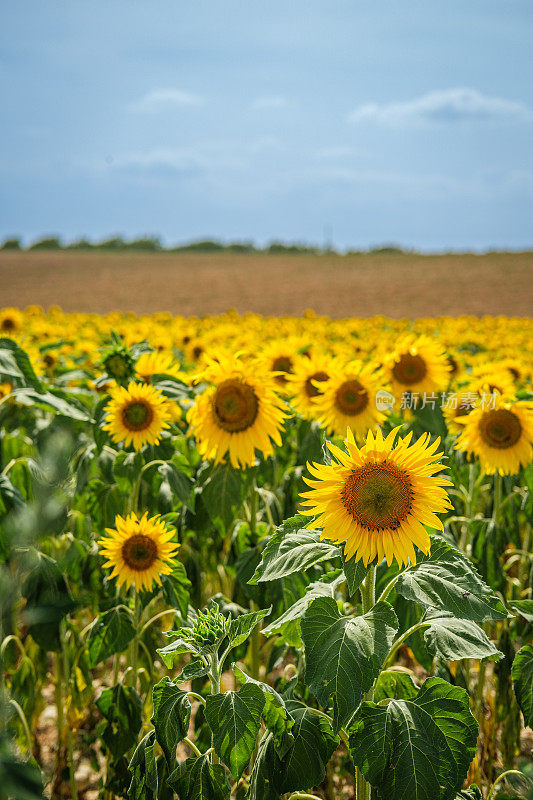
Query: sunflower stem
[497, 497]
[59, 706]
[214, 676]
[135, 643]
[70, 740]
[368, 598]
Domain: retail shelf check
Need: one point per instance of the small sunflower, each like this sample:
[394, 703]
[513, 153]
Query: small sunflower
[5, 389]
[501, 437]
[418, 365]
[139, 550]
[137, 415]
[307, 381]
[378, 498]
[11, 321]
[240, 414]
[348, 400]
[157, 363]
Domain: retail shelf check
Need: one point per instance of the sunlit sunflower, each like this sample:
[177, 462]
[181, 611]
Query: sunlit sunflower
[156, 363]
[307, 381]
[418, 365]
[136, 415]
[5, 389]
[240, 414]
[139, 550]
[378, 498]
[11, 321]
[348, 400]
[280, 357]
[501, 437]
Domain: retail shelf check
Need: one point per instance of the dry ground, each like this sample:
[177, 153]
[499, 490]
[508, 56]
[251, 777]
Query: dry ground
[339, 286]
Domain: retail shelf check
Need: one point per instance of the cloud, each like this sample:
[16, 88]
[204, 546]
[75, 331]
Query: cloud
[164, 99]
[269, 101]
[447, 106]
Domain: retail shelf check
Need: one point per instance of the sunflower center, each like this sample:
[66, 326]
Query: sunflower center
[378, 495]
[137, 416]
[500, 428]
[282, 364]
[351, 398]
[139, 552]
[310, 390]
[409, 369]
[235, 405]
[8, 324]
[454, 366]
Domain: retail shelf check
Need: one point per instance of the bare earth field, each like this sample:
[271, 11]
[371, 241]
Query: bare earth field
[338, 286]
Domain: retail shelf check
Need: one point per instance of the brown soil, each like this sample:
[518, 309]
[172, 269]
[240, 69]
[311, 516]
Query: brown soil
[338, 286]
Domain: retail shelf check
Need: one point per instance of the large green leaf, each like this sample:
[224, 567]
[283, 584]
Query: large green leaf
[110, 633]
[176, 589]
[48, 600]
[355, 572]
[14, 361]
[522, 674]
[198, 779]
[235, 719]
[222, 492]
[53, 400]
[446, 579]
[345, 654]
[292, 551]
[453, 639]
[523, 607]
[275, 713]
[303, 765]
[171, 717]
[180, 484]
[419, 748]
[144, 778]
[323, 588]
[394, 685]
[122, 708]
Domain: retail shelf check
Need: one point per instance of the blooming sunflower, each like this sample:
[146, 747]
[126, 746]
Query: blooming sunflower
[139, 550]
[239, 414]
[156, 363]
[307, 381]
[418, 365]
[136, 415]
[501, 437]
[11, 321]
[348, 400]
[378, 498]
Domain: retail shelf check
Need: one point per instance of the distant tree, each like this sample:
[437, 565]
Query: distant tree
[80, 244]
[116, 243]
[50, 243]
[204, 246]
[10, 244]
[149, 244]
[387, 250]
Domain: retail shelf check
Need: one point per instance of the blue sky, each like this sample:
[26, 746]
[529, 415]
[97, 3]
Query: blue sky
[364, 122]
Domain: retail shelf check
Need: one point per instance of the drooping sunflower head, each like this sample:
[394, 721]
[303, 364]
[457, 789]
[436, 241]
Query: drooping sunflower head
[139, 551]
[378, 498]
[137, 415]
[500, 436]
[348, 400]
[238, 414]
[418, 365]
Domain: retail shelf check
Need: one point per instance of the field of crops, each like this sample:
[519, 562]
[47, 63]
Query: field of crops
[263, 558]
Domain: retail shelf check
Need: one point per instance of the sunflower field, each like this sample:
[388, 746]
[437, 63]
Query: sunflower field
[263, 558]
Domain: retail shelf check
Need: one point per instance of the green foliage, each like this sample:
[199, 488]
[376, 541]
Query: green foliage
[171, 717]
[110, 633]
[198, 779]
[235, 719]
[522, 673]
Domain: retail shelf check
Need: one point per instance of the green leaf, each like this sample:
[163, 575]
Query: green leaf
[453, 639]
[292, 551]
[472, 793]
[122, 708]
[344, 655]
[275, 714]
[14, 361]
[223, 492]
[48, 601]
[53, 400]
[198, 779]
[18, 779]
[171, 717]
[180, 484]
[241, 627]
[394, 685]
[303, 765]
[447, 580]
[355, 572]
[523, 607]
[419, 748]
[176, 589]
[235, 719]
[323, 588]
[111, 633]
[144, 779]
[178, 647]
[522, 674]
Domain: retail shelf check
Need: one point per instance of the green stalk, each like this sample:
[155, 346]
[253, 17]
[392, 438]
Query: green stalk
[59, 706]
[256, 633]
[368, 598]
[135, 643]
[214, 676]
[497, 497]
[70, 743]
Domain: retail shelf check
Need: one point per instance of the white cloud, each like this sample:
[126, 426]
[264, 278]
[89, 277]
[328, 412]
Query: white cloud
[163, 99]
[447, 106]
[269, 101]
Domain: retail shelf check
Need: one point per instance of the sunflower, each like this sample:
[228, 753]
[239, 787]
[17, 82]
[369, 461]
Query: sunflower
[11, 321]
[348, 400]
[157, 363]
[280, 357]
[307, 381]
[418, 365]
[136, 415]
[378, 498]
[139, 550]
[5, 389]
[501, 437]
[239, 414]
